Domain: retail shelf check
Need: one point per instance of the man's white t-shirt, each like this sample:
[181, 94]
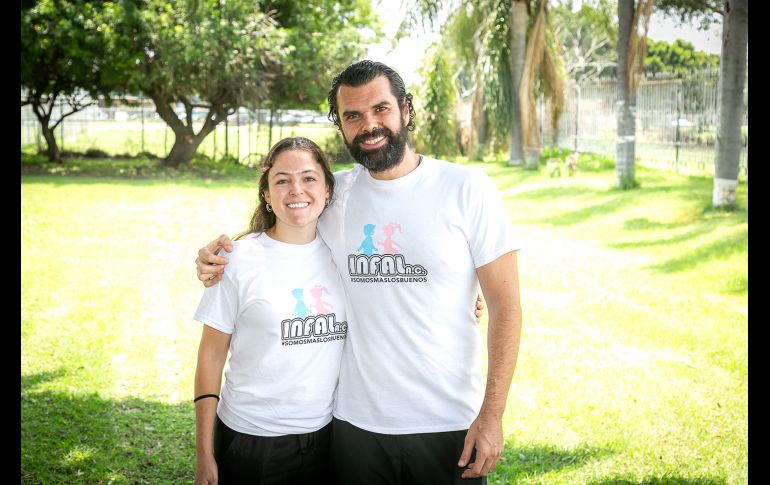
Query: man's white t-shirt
[285, 308]
[408, 250]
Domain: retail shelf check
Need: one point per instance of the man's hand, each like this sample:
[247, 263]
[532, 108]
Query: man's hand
[479, 311]
[486, 436]
[211, 267]
[499, 281]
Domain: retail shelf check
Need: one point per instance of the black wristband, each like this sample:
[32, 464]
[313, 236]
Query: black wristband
[205, 395]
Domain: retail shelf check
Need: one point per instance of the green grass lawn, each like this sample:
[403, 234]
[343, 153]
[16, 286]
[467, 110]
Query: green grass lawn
[634, 356]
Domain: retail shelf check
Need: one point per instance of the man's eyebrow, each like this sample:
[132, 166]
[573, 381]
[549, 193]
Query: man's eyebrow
[376, 105]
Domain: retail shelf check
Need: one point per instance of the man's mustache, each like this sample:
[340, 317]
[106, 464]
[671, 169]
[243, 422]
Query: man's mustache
[375, 133]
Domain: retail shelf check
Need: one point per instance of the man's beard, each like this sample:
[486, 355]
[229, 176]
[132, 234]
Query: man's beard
[385, 157]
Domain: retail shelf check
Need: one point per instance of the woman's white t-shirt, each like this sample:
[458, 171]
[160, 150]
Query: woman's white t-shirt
[285, 307]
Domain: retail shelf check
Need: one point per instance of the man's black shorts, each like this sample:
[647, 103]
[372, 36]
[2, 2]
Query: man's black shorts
[361, 457]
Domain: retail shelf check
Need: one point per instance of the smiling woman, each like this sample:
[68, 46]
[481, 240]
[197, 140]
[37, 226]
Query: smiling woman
[280, 313]
[294, 171]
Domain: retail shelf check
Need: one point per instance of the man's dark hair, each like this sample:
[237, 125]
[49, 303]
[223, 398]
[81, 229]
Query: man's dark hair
[362, 72]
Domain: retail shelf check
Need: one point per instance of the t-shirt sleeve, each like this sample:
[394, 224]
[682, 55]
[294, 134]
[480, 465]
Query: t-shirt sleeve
[490, 232]
[218, 307]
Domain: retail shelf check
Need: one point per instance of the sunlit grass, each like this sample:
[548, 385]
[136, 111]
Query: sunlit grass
[634, 358]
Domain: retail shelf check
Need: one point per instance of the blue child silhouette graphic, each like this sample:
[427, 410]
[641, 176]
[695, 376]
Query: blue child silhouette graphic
[300, 309]
[367, 245]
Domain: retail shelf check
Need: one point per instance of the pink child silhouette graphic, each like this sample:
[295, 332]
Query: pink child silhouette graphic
[389, 245]
[321, 307]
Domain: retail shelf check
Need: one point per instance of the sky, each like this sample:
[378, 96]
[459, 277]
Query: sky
[406, 58]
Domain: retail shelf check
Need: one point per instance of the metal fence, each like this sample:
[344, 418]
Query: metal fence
[676, 121]
[131, 127]
[676, 125]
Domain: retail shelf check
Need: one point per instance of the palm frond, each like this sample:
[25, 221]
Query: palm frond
[553, 76]
[539, 63]
[422, 15]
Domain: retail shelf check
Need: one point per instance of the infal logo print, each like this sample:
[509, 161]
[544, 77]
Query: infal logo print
[377, 260]
[304, 328]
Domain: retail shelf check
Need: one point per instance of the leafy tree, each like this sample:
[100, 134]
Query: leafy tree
[322, 38]
[587, 37]
[437, 129]
[678, 58]
[701, 13]
[209, 54]
[223, 55]
[465, 45]
[68, 56]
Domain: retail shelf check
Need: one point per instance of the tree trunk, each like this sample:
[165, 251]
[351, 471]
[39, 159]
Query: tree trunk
[518, 47]
[732, 77]
[43, 116]
[185, 146]
[478, 134]
[52, 150]
[186, 142]
[626, 106]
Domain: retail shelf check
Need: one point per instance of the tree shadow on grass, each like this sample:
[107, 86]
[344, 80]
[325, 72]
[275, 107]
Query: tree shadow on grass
[561, 191]
[707, 217]
[697, 231]
[518, 462]
[597, 202]
[34, 380]
[645, 224]
[505, 175]
[71, 438]
[722, 247]
[662, 480]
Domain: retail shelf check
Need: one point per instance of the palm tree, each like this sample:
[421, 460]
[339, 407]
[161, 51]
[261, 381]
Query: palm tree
[633, 22]
[540, 63]
[497, 61]
[519, 14]
[732, 78]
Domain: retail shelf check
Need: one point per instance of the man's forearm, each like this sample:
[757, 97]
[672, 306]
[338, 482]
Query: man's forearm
[503, 336]
[500, 283]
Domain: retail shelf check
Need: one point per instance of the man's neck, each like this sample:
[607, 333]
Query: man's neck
[410, 161]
